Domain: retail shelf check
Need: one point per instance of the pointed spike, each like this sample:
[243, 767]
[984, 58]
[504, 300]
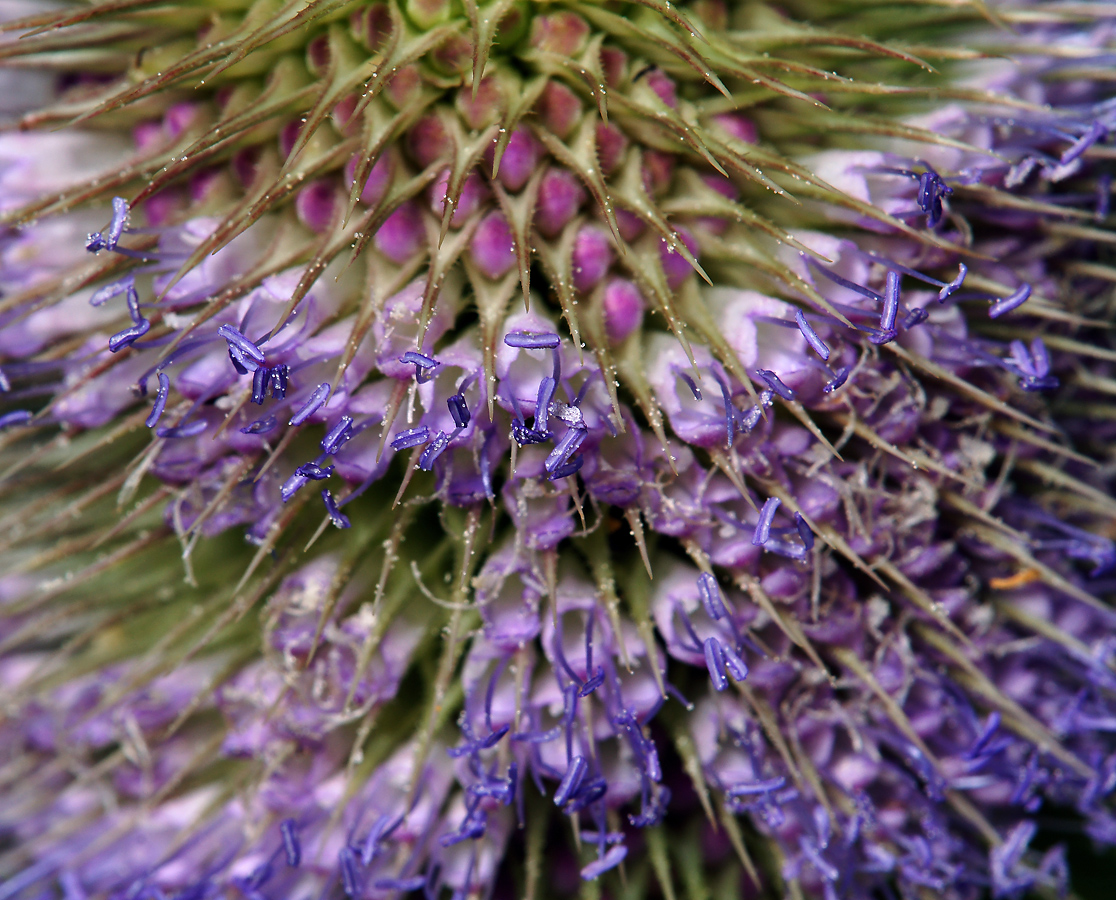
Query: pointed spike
[466, 155]
[442, 262]
[485, 23]
[396, 196]
[660, 861]
[378, 134]
[1016, 717]
[789, 625]
[518, 106]
[402, 54]
[963, 386]
[395, 403]
[345, 71]
[558, 265]
[581, 159]
[636, 524]
[630, 364]
[631, 193]
[519, 212]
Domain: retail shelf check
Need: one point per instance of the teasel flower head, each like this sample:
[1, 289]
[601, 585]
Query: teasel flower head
[565, 448]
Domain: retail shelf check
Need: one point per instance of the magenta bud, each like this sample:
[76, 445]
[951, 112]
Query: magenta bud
[203, 183]
[631, 226]
[737, 126]
[559, 108]
[611, 144]
[428, 140]
[663, 85]
[563, 33]
[623, 309]
[721, 185]
[658, 171]
[520, 159]
[288, 135]
[244, 165]
[178, 118]
[493, 247]
[223, 95]
[378, 179]
[318, 56]
[403, 234]
[485, 108]
[713, 224]
[342, 115]
[560, 197]
[724, 187]
[316, 203]
[405, 87]
[371, 25]
[147, 135]
[592, 256]
[473, 193]
[614, 64]
[159, 209]
[675, 266]
[454, 55]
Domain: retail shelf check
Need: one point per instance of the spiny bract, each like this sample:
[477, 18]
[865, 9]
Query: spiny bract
[673, 443]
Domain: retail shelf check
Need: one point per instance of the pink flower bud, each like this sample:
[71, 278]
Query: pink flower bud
[560, 197]
[288, 136]
[559, 108]
[454, 56]
[405, 87]
[724, 187]
[244, 165]
[631, 226]
[343, 113]
[223, 95]
[737, 126]
[485, 108]
[427, 141]
[721, 185]
[663, 85]
[520, 159]
[493, 247]
[675, 266]
[611, 144]
[316, 203]
[147, 135]
[592, 256]
[623, 309]
[473, 193]
[371, 25]
[658, 171]
[318, 56]
[160, 208]
[512, 29]
[178, 118]
[614, 64]
[402, 234]
[713, 224]
[563, 33]
[204, 183]
[378, 179]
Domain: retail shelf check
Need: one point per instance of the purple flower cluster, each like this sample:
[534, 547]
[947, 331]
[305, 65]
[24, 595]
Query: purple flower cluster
[860, 607]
